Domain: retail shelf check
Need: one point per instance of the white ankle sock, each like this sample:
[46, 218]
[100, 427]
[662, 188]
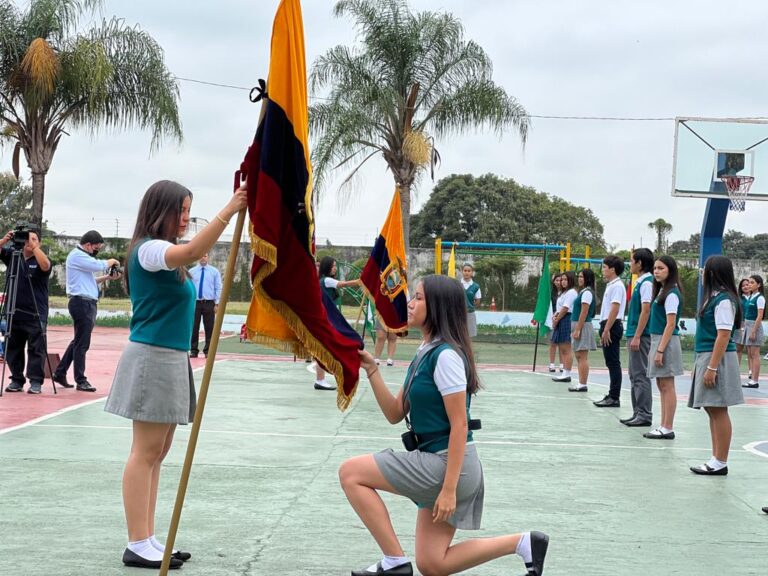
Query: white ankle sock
[322, 382]
[524, 548]
[551, 366]
[145, 549]
[157, 545]
[716, 464]
[665, 430]
[389, 562]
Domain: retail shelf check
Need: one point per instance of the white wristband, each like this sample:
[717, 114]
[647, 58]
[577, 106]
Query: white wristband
[711, 369]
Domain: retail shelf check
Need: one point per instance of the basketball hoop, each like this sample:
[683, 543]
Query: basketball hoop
[738, 188]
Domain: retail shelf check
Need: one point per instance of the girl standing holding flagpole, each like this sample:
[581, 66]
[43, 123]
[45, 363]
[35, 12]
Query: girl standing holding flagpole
[153, 383]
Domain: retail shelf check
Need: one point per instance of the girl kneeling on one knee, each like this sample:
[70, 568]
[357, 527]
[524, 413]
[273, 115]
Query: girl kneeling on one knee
[442, 475]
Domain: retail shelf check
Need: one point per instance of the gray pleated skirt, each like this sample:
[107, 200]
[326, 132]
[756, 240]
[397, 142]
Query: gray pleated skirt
[419, 476]
[472, 324]
[153, 384]
[727, 388]
[738, 336]
[759, 338]
[673, 358]
[586, 340]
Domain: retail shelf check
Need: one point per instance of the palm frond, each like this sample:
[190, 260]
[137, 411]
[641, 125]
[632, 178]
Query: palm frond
[40, 65]
[54, 20]
[128, 86]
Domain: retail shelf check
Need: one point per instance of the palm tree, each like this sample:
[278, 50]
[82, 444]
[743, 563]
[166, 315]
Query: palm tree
[412, 78]
[53, 76]
[662, 228]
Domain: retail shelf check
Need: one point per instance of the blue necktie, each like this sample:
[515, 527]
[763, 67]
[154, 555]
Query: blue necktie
[200, 288]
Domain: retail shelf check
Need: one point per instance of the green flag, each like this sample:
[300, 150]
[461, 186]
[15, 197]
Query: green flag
[543, 312]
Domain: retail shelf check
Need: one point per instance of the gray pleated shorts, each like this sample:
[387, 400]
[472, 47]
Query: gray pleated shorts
[759, 338]
[153, 384]
[727, 389]
[419, 476]
[472, 324]
[586, 340]
[673, 358]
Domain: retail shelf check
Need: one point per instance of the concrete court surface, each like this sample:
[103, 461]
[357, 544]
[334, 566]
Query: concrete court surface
[264, 496]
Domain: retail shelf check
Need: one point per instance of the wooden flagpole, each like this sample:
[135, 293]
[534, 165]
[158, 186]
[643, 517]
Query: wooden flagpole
[196, 423]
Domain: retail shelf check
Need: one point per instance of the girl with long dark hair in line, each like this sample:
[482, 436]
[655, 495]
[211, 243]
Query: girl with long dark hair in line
[665, 359]
[561, 325]
[753, 335]
[738, 332]
[583, 334]
[153, 384]
[441, 473]
[716, 381]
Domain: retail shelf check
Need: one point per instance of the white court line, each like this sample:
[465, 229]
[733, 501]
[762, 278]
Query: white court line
[51, 415]
[752, 448]
[181, 429]
[654, 394]
[36, 421]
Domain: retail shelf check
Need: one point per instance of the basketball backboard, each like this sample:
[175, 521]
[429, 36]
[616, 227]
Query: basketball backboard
[708, 149]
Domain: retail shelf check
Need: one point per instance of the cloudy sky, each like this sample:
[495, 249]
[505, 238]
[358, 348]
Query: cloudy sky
[557, 57]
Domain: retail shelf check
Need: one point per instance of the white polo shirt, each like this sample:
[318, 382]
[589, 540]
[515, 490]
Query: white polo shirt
[615, 293]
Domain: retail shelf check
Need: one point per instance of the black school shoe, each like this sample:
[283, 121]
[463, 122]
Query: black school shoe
[130, 558]
[539, 545]
[183, 556]
[402, 570]
[707, 470]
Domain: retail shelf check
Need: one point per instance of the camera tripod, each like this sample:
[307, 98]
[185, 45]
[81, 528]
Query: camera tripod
[16, 270]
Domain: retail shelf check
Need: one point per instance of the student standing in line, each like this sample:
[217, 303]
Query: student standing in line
[611, 327]
[555, 291]
[639, 338]
[738, 332]
[384, 335]
[716, 378]
[561, 324]
[753, 329]
[441, 471]
[473, 294]
[583, 331]
[330, 286]
[666, 354]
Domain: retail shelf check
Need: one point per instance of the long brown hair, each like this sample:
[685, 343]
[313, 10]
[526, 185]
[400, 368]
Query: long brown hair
[158, 218]
[447, 319]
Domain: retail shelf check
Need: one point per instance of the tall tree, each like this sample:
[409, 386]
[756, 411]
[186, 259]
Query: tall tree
[15, 202]
[487, 208]
[53, 77]
[412, 77]
[662, 228]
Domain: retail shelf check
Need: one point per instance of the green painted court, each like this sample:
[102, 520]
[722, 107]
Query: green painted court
[264, 497]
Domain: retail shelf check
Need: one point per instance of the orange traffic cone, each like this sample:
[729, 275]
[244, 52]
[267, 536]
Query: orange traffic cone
[493, 304]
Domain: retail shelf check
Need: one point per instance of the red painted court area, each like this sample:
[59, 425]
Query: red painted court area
[106, 346]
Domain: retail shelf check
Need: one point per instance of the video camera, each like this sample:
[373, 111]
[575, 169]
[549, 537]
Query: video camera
[21, 234]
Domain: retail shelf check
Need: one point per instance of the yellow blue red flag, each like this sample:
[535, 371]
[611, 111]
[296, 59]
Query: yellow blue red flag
[385, 275]
[287, 310]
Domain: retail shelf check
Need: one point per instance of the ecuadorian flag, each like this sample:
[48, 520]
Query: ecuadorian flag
[385, 276]
[287, 310]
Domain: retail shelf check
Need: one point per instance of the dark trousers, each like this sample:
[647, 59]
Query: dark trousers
[26, 332]
[204, 310]
[612, 355]
[83, 312]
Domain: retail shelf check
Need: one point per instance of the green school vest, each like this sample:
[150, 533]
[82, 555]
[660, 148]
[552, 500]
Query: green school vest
[163, 307]
[750, 307]
[635, 307]
[577, 308]
[658, 319]
[332, 293]
[470, 292]
[428, 416]
[706, 331]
